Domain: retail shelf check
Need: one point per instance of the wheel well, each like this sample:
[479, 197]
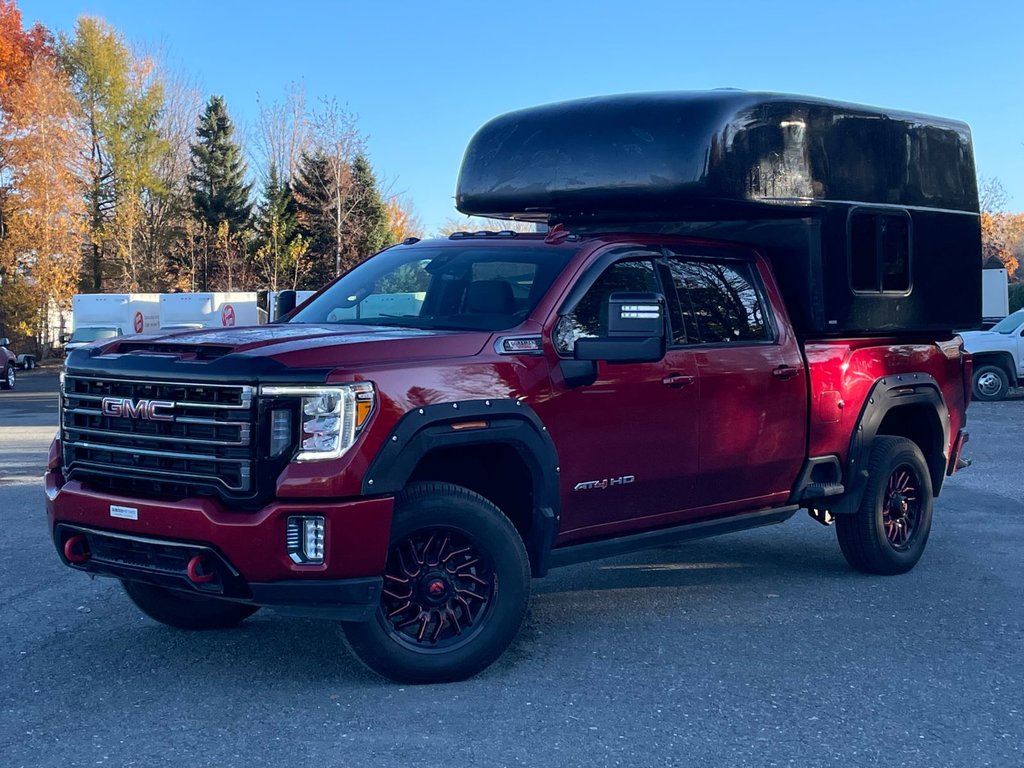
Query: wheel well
[920, 424]
[496, 471]
[1002, 360]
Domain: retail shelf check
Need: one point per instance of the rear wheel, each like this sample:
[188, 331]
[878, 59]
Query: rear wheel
[186, 611]
[9, 377]
[889, 531]
[990, 383]
[442, 616]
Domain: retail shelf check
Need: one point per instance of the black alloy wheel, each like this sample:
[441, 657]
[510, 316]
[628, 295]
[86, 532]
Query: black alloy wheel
[888, 532]
[439, 586]
[456, 587]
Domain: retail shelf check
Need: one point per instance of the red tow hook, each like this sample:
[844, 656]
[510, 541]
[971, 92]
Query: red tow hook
[199, 571]
[76, 549]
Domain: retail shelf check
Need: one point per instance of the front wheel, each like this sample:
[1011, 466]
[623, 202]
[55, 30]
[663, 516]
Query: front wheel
[456, 586]
[888, 532]
[9, 377]
[182, 610]
[990, 383]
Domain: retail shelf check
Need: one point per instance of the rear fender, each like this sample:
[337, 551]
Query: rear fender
[886, 395]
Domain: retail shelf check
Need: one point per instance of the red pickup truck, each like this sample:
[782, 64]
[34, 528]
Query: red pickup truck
[742, 308]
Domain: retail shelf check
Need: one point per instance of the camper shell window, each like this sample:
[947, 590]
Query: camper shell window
[879, 248]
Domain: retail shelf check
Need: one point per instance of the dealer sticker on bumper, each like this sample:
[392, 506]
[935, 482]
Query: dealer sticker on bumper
[125, 513]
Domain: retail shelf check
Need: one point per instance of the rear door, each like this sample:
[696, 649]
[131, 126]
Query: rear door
[753, 391]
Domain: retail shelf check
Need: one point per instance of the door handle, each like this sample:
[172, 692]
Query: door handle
[785, 372]
[678, 380]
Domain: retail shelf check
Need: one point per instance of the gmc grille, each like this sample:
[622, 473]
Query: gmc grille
[206, 446]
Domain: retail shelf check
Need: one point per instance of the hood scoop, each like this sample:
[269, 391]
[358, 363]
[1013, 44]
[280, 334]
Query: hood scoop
[187, 352]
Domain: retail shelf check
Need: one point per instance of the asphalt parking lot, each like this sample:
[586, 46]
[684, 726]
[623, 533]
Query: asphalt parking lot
[754, 649]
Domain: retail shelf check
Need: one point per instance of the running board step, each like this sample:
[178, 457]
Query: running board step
[596, 550]
[821, 490]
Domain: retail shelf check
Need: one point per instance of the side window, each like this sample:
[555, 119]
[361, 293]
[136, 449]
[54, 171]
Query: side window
[719, 302]
[879, 251]
[589, 318]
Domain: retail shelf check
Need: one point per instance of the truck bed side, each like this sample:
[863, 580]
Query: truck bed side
[846, 376]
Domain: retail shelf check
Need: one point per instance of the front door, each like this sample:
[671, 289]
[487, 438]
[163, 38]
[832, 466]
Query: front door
[628, 442]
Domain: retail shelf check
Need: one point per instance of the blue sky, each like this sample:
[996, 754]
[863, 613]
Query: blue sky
[422, 77]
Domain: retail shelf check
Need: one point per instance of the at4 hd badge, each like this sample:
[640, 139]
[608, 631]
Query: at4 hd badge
[608, 482]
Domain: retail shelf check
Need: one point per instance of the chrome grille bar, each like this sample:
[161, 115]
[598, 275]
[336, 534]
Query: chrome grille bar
[209, 439]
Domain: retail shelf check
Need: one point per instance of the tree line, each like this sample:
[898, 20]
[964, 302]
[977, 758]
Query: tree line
[116, 175]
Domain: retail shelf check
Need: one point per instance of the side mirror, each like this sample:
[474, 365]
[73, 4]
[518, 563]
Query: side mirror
[65, 338]
[636, 331]
[285, 303]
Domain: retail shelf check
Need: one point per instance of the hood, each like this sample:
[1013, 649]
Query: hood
[305, 346]
[975, 341]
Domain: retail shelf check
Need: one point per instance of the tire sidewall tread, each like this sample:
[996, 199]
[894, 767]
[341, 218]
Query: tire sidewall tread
[430, 504]
[862, 534]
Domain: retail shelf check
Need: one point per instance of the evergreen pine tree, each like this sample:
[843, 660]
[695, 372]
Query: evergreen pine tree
[315, 198]
[370, 213]
[217, 179]
[276, 229]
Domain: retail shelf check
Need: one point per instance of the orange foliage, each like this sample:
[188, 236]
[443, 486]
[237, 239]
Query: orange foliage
[18, 48]
[402, 220]
[1002, 236]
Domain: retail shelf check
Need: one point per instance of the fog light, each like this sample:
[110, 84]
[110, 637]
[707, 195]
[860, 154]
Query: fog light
[305, 539]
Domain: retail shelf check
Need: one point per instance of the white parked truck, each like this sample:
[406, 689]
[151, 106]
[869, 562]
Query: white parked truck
[98, 316]
[995, 296]
[998, 357]
[193, 311]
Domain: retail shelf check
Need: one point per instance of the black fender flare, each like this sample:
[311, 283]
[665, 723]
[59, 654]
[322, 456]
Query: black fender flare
[886, 394]
[507, 422]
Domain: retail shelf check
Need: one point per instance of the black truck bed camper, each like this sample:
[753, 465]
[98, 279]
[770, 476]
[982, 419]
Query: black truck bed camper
[870, 216]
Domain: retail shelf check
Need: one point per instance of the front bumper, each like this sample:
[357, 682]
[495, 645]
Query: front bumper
[241, 556]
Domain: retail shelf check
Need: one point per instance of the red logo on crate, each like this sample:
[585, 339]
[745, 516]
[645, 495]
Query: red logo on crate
[227, 315]
[138, 322]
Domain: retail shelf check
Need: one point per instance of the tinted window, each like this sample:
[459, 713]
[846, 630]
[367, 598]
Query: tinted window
[418, 286]
[879, 252]
[718, 302]
[590, 317]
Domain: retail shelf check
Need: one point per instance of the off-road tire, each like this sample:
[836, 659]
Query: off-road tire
[993, 386]
[871, 537]
[184, 611]
[9, 377]
[449, 516]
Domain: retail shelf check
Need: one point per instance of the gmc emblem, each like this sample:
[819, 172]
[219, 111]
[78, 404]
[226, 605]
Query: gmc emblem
[123, 407]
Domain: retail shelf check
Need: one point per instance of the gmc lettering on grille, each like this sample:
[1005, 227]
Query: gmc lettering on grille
[123, 407]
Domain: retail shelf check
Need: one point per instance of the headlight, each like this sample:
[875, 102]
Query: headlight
[330, 418]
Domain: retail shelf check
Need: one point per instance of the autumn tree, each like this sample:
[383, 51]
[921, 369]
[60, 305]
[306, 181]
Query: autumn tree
[403, 221]
[40, 193]
[120, 99]
[220, 194]
[283, 134]
[168, 231]
[1002, 238]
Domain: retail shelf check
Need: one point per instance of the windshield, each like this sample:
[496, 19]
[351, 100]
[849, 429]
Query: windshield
[83, 335]
[1009, 324]
[468, 288]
